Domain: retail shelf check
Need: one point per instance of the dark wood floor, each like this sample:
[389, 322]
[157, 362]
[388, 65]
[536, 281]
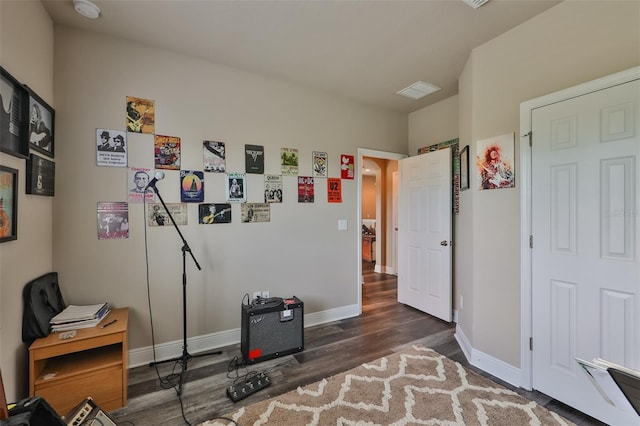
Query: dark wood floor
[384, 327]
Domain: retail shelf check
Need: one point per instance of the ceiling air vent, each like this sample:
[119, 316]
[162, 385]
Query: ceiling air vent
[418, 90]
[475, 3]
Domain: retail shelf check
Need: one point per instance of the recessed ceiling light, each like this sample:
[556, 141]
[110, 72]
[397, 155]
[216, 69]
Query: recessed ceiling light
[86, 9]
[418, 90]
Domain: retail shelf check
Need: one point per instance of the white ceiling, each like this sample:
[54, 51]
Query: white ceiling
[365, 50]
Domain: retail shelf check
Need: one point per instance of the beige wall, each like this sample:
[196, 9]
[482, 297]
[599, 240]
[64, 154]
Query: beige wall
[299, 252]
[368, 197]
[569, 44]
[29, 58]
[433, 124]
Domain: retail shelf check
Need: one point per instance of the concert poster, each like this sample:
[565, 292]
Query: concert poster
[305, 189]
[254, 159]
[167, 152]
[139, 178]
[236, 189]
[334, 190]
[113, 220]
[111, 148]
[141, 115]
[191, 186]
[347, 166]
[320, 164]
[255, 212]
[158, 216]
[214, 213]
[289, 161]
[272, 188]
[213, 154]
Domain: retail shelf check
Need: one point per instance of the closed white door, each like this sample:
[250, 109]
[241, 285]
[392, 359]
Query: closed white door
[585, 256]
[424, 233]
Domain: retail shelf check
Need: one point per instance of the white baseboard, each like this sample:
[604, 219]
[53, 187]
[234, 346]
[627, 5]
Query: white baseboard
[487, 363]
[209, 342]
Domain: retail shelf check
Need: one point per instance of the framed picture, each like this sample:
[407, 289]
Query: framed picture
[14, 116]
[464, 168]
[8, 204]
[40, 176]
[41, 124]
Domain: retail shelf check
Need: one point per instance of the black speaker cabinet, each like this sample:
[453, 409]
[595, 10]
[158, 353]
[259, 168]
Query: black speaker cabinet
[271, 328]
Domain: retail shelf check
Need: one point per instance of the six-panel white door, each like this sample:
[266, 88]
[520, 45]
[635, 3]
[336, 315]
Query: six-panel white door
[585, 257]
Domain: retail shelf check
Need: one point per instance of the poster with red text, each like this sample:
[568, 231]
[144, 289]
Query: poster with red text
[305, 189]
[334, 190]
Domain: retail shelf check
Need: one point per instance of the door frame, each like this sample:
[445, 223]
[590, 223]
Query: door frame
[365, 152]
[526, 296]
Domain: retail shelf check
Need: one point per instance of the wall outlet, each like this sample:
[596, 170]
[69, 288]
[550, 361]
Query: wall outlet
[257, 295]
[265, 294]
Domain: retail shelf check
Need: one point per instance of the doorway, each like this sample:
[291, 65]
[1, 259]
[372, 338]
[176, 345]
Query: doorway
[383, 221]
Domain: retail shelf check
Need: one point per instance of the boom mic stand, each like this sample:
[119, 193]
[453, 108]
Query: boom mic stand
[183, 359]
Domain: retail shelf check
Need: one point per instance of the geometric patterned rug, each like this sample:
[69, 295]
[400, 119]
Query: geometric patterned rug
[417, 386]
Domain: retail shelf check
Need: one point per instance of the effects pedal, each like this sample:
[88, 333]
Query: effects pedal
[253, 384]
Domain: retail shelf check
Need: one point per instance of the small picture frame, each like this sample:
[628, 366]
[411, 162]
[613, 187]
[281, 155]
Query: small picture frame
[14, 116]
[40, 176]
[8, 204]
[464, 168]
[41, 124]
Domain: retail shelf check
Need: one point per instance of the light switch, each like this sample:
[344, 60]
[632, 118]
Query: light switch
[342, 224]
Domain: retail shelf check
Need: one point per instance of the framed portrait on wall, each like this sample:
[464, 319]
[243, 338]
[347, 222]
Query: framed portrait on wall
[14, 116]
[41, 124]
[8, 204]
[40, 176]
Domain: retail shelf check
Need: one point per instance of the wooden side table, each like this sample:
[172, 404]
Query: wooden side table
[93, 363]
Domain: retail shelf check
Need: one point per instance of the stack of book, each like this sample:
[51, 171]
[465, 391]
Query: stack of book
[79, 316]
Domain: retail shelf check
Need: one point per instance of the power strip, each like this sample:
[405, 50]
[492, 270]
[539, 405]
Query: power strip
[253, 384]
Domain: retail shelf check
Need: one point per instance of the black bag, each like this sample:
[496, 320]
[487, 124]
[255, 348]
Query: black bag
[42, 301]
[34, 411]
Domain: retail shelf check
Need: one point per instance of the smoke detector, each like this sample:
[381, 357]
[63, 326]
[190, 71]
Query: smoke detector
[86, 9]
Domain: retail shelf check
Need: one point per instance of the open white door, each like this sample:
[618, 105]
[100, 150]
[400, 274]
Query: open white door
[424, 233]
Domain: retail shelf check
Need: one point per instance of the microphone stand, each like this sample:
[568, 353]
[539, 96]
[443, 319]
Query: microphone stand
[184, 359]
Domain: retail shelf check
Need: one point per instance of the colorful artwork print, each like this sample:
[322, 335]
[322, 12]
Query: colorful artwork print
[140, 115]
[191, 186]
[167, 152]
[320, 164]
[347, 166]
[334, 190]
[289, 161]
[495, 161]
[306, 189]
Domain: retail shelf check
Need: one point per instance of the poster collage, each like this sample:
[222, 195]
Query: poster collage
[112, 148]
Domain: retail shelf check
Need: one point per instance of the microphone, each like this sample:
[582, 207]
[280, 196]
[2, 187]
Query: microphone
[159, 176]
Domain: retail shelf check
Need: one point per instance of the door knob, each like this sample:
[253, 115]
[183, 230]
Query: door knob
[444, 243]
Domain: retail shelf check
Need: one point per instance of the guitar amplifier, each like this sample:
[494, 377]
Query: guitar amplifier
[88, 413]
[271, 328]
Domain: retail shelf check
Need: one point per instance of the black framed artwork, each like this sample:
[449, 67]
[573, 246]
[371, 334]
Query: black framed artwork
[8, 204]
[41, 124]
[464, 168]
[40, 176]
[14, 116]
